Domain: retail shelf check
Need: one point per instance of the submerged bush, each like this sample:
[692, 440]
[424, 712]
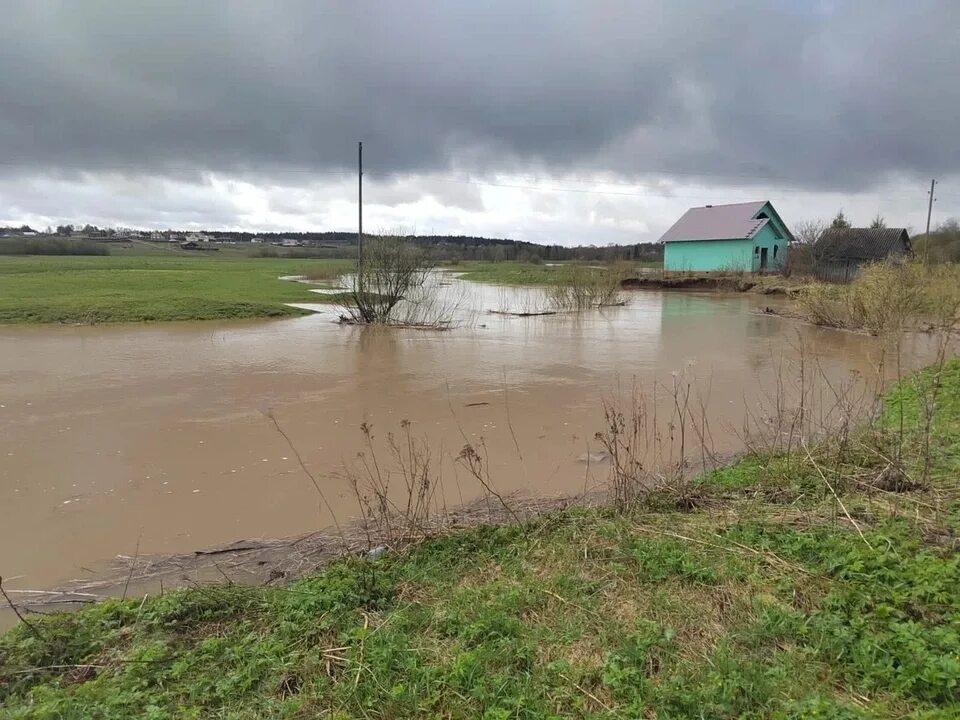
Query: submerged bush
[393, 285]
[585, 287]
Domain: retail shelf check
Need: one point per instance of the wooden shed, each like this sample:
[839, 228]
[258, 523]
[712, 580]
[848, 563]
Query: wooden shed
[839, 253]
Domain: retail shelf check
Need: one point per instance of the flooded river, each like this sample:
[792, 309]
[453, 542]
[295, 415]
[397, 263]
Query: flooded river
[158, 435]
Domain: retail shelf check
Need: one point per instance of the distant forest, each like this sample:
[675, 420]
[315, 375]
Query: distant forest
[466, 247]
[343, 244]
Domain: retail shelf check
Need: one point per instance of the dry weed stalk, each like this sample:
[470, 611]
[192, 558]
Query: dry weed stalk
[477, 464]
[649, 452]
[419, 512]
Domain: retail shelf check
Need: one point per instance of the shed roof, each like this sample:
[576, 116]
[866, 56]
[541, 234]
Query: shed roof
[717, 222]
[863, 243]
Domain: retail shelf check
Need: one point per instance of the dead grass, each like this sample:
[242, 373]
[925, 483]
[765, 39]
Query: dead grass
[887, 298]
[322, 273]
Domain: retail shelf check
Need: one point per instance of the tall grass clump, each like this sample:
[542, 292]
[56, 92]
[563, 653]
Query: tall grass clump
[264, 251]
[51, 246]
[322, 273]
[887, 297]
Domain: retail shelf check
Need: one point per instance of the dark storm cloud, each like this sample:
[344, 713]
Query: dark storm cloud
[829, 95]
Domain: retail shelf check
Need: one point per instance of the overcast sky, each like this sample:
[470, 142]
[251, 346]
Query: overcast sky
[571, 122]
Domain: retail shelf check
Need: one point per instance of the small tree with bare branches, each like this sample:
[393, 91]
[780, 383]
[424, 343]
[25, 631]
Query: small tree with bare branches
[390, 268]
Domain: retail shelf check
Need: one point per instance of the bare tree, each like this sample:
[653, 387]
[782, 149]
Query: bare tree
[390, 269]
[807, 232]
[803, 256]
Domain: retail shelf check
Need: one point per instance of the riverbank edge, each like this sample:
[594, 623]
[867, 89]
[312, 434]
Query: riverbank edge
[717, 283]
[787, 586]
[650, 277]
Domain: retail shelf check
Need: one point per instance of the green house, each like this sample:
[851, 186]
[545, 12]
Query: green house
[743, 237]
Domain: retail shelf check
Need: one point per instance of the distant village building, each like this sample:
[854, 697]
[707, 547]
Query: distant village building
[839, 253]
[743, 237]
[23, 231]
[290, 242]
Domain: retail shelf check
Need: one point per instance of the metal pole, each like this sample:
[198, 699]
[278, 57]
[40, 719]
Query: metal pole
[360, 203]
[933, 184]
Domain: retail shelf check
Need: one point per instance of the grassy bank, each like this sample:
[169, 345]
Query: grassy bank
[140, 288]
[529, 274]
[632, 275]
[812, 584]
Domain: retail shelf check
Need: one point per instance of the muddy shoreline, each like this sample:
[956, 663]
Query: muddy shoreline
[706, 282]
[271, 560]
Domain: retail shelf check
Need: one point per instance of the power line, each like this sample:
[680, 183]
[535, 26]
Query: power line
[661, 195]
[164, 168]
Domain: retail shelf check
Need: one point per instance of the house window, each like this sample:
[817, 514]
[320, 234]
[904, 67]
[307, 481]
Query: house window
[775, 248]
[756, 251]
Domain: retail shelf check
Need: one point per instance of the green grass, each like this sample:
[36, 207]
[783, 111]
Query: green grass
[517, 273]
[764, 605]
[130, 288]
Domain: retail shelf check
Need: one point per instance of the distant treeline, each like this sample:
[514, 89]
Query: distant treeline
[51, 246]
[89, 240]
[458, 247]
[942, 245]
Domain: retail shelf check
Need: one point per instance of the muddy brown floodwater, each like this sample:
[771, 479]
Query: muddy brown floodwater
[157, 435]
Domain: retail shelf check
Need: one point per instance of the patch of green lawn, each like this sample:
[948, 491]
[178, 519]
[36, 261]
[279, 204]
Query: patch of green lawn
[145, 288]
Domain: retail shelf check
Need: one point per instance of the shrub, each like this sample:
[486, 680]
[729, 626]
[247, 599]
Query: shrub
[887, 297]
[51, 246]
[264, 251]
[390, 270]
[585, 287]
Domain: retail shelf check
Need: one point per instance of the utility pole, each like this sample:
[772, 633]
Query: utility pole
[360, 205]
[933, 184]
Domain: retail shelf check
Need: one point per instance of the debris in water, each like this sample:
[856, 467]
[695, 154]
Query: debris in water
[597, 457]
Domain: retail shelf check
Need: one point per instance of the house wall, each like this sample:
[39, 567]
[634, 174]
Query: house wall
[774, 218]
[708, 255]
[767, 238]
